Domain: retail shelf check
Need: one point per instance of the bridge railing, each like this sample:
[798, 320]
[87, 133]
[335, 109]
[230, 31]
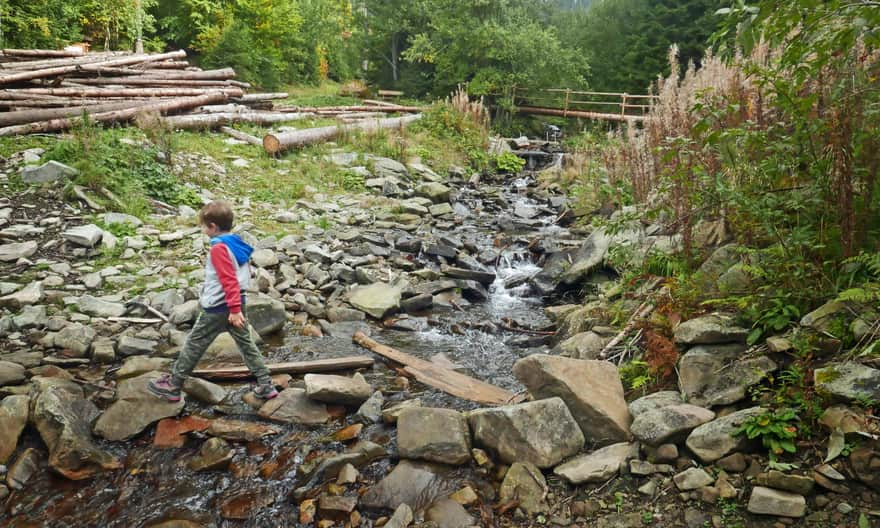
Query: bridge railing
[577, 103]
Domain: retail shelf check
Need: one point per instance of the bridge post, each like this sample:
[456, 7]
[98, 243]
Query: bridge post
[565, 105]
[623, 105]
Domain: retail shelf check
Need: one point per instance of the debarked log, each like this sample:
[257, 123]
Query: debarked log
[274, 143]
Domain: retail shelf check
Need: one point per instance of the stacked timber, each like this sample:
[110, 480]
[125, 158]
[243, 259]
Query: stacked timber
[48, 90]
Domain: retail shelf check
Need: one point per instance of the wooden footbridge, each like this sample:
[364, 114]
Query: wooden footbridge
[603, 106]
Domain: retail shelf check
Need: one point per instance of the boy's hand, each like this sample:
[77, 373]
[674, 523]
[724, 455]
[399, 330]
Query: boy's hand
[237, 320]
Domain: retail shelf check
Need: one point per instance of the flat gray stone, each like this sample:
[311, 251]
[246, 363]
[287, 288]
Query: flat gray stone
[76, 338]
[693, 478]
[377, 300]
[669, 424]
[766, 501]
[598, 466]
[135, 346]
[709, 330]
[848, 381]
[343, 390]
[95, 307]
[49, 172]
[85, 235]
[415, 484]
[11, 373]
[714, 440]
[135, 409]
[435, 435]
[17, 250]
[294, 406]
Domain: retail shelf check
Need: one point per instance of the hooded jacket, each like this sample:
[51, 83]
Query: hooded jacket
[227, 274]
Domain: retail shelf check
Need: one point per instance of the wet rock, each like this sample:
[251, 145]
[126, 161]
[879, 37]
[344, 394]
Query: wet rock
[599, 465]
[377, 300]
[30, 294]
[98, 307]
[266, 315]
[294, 406]
[13, 417]
[525, 483]
[656, 400]
[542, 432]
[447, 513]
[483, 277]
[709, 330]
[414, 484]
[17, 250]
[241, 431]
[25, 466]
[347, 475]
[717, 375]
[62, 416]
[336, 506]
[436, 192]
[370, 411]
[693, 478]
[84, 235]
[591, 390]
[135, 409]
[135, 346]
[76, 339]
[215, 453]
[170, 431]
[435, 435]
[715, 439]
[11, 373]
[329, 388]
[766, 501]
[848, 381]
[339, 314]
[669, 424]
[243, 505]
[204, 391]
[49, 172]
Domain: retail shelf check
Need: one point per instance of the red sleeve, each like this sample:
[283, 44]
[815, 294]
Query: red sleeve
[228, 278]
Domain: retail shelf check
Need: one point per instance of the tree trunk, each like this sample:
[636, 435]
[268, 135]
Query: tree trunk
[203, 121]
[61, 70]
[274, 143]
[238, 134]
[41, 53]
[155, 82]
[255, 98]
[32, 116]
[124, 92]
[345, 109]
[170, 105]
[394, 56]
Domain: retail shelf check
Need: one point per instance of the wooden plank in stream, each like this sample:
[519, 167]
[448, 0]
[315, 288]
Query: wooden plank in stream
[293, 367]
[449, 381]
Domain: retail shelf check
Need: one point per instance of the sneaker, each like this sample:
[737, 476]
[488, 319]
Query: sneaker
[265, 391]
[165, 388]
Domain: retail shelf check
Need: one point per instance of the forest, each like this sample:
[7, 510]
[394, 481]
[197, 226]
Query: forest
[421, 47]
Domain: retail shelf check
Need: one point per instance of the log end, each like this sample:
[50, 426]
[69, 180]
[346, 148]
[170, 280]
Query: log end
[271, 144]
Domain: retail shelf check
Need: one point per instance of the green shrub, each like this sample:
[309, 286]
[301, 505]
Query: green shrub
[508, 162]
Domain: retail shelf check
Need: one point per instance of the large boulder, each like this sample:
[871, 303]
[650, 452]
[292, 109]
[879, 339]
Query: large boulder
[714, 440]
[591, 390]
[542, 432]
[377, 300]
[592, 253]
[655, 400]
[709, 330]
[76, 339]
[17, 250]
[848, 382]
[11, 373]
[718, 375]
[417, 485]
[95, 307]
[13, 417]
[62, 416]
[436, 192]
[49, 172]
[135, 409]
[436, 435]
[669, 424]
[338, 389]
[599, 465]
[265, 314]
[293, 406]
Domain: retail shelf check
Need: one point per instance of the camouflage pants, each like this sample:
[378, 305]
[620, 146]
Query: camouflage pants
[208, 326]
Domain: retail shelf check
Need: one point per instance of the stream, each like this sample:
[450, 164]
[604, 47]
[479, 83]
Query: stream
[500, 219]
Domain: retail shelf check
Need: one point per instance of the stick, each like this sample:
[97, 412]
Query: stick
[294, 367]
[237, 134]
[641, 313]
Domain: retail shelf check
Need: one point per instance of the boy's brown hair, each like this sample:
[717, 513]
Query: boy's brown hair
[218, 212]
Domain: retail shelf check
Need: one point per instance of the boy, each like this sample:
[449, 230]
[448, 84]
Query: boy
[222, 299]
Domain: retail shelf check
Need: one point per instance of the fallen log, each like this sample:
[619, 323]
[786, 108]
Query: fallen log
[345, 109]
[78, 52]
[139, 81]
[259, 97]
[447, 380]
[274, 143]
[91, 58]
[32, 116]
[170, 105]
[293, 367]
[238, 134]
[124, 92]
[61, 70]
[205, 121]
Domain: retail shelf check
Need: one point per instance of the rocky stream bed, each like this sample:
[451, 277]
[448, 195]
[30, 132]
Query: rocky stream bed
[470, 272]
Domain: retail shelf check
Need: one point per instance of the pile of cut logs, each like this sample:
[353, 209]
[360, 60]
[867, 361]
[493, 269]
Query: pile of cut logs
[48, 91]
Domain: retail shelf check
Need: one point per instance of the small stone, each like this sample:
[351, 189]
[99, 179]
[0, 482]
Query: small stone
[85, 235]
[465, 496]
[215, 453]
[845, 508]
[766, 501]
[735, 463]
[135, 346]
[347, 475]
[693, 478]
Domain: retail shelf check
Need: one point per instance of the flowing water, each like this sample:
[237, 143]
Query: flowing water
[156, 485]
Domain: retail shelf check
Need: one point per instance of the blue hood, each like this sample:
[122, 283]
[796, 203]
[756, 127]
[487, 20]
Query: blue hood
[239, 248]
